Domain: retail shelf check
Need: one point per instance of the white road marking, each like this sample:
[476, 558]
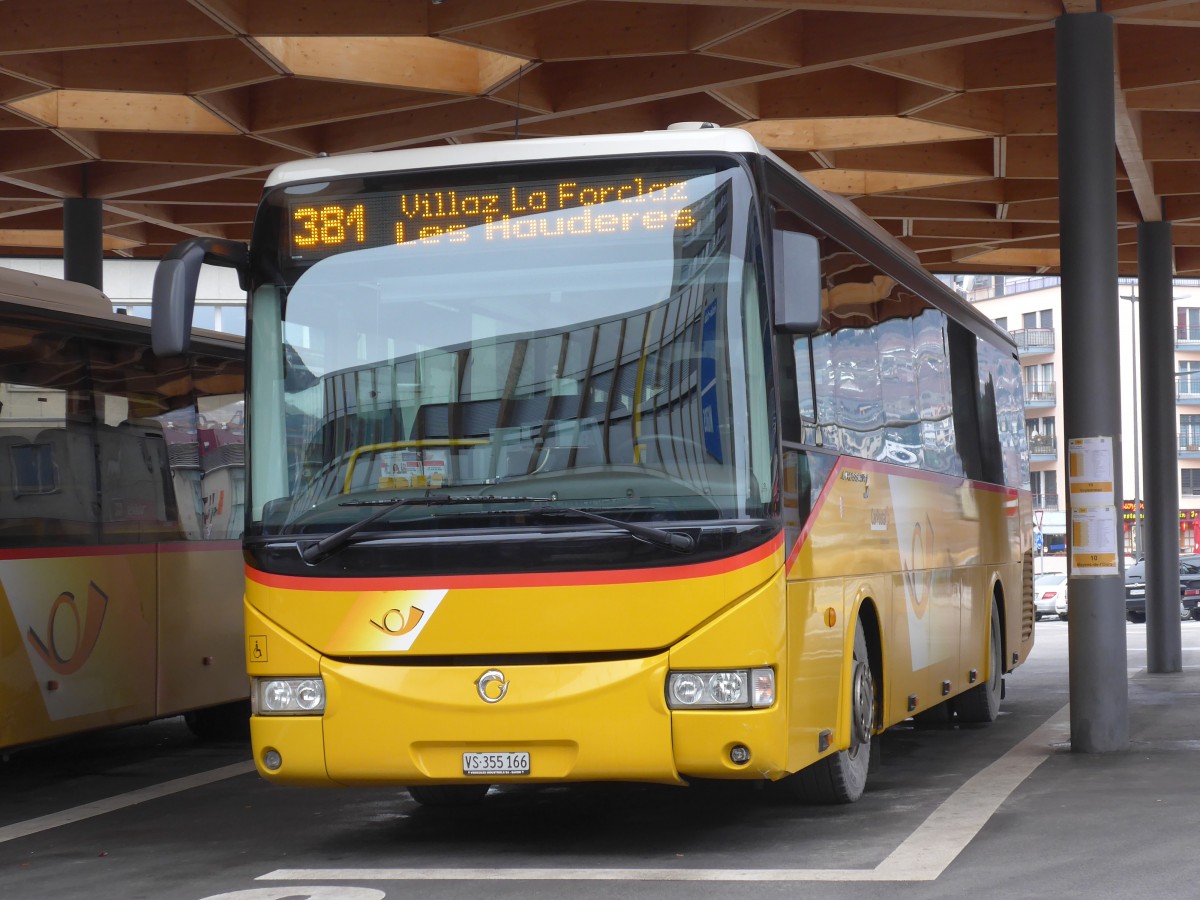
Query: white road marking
[922, 856]
[121, 801]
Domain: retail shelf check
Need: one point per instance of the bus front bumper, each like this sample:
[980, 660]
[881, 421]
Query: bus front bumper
[388, 725]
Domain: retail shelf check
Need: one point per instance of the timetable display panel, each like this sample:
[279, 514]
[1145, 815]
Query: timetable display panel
[552, 211]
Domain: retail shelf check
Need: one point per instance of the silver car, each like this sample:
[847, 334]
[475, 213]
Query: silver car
[1050, 595]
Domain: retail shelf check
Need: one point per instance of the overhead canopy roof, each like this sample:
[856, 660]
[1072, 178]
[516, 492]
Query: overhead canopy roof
[937, 117]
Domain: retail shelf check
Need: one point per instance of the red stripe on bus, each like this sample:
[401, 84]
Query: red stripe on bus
[871, 465]
[520, 579]
[117, 550]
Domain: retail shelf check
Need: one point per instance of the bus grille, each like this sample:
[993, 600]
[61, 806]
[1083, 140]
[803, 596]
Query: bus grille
[1027, 615]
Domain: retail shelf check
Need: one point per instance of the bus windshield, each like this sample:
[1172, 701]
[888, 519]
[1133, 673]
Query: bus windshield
[589, 338]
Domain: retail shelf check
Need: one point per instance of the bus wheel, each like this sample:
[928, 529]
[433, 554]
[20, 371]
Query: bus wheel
[940, 716]
[982, 702]
[448, 794]
[841, 777]
[227, 722]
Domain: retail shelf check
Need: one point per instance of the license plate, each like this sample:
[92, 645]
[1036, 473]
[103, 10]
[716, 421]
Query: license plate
[1137, 593]
[504, 763]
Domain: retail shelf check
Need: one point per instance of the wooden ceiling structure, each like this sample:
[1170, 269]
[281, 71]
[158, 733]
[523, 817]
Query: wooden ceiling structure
[936, 117]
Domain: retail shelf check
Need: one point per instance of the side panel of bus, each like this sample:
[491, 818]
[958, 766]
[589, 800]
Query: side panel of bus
[120, 509]
[79, 647]
[201, 657]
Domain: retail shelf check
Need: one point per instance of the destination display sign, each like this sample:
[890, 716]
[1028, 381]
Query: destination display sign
[558, 210]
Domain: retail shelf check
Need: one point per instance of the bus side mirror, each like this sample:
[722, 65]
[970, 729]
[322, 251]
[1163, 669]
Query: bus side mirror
[174, 293]
[796, 260]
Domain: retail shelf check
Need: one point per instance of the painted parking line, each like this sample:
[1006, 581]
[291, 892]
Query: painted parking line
[121, 801]
[922, 856]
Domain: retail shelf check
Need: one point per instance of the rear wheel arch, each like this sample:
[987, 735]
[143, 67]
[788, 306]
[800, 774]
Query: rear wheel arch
[868, 614]
[998, 603]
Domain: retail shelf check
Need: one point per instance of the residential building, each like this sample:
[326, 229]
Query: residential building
[1029, 308]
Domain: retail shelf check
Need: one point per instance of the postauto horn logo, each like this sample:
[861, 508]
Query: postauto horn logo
[68, 644]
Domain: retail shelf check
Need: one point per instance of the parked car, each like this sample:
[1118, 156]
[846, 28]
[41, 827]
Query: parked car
[1192, 559]
[1189, 589]
[1049, 590]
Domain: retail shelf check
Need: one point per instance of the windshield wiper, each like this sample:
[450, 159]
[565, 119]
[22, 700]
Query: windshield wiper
[327, 546]
[330, 544]
[659, 537]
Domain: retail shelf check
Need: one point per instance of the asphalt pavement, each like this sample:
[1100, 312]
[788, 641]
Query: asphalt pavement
[1008, 810]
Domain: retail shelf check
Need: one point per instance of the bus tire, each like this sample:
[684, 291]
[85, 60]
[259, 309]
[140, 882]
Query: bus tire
[448, 794]
[841, 777]
[227, 722]
[940, 716]
[981, 704]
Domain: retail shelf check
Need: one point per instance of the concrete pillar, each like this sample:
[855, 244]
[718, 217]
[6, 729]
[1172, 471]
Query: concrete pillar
[83, 241]
[1156, 315]
[1091, 382]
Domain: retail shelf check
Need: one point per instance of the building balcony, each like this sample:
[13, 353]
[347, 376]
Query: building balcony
[1187, 393]
[1189, 446]
[1187, 337]
[1034, 341]
[1040, 394]
[1043, 448]
[1045, 501]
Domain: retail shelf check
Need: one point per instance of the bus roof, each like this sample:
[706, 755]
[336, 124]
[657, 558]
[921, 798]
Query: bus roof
[47, 293]
[684, 137]
[44, 291]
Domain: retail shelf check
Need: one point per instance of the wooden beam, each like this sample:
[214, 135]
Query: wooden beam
[1139, 170]
[421, 63]
[1013, 61]
[777, 42]
[1170, 136]
[25, 151]
[850, 91]
[858, 182]
[984, 112]
[903, 208]
[1031, 156]
[196, 150]
[1156, 56]
[973, 158]
[122, 111]
[589, 85]
[58, 24]
[849, 132]
[709, 26]
[633, 29]
[285, 17]
[944, 69]
[838, 38]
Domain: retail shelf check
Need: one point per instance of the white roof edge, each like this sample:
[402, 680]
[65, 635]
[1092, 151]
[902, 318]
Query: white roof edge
[685, 137]
[729, 140]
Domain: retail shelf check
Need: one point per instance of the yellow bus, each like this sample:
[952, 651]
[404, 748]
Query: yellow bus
[622, 457]
[121, 512]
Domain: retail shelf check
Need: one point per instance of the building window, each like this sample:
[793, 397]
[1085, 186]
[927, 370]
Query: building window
[1040, 319]
[1189, 431]
[1045, 489]
[1187, 319]
[1189, 384]
[1189, 482]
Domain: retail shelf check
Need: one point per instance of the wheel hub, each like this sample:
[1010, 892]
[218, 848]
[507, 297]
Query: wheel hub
[862, 708]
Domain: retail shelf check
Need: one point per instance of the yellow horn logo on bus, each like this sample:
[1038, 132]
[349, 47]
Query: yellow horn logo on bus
[77, 641]
[396, 622]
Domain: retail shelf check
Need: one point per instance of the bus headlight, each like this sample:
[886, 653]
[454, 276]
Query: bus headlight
[723, 689]
[288, 696]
